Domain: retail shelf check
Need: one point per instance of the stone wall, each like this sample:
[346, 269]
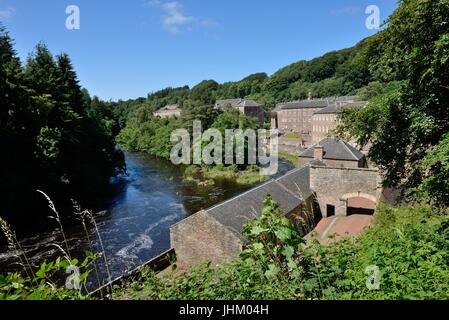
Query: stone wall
[200, 239]
[322, 125]
[335, 186]
[296, 120]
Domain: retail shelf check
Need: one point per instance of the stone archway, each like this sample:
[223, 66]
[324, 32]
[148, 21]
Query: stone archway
[358, 203]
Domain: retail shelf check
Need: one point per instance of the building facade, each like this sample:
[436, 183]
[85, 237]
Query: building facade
[168, 111]
[297, 116]
[249, 108]
[326, 120]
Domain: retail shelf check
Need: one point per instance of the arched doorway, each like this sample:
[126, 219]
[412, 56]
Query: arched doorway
[359, 204]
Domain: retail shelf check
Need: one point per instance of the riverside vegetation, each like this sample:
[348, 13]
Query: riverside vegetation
[404, 71]
[410, 245]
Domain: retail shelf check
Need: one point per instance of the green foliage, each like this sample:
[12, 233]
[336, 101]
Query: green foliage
[146, 133]
[206, 175]
[435, 164]
[408, 245]
[204, 92]
[50, 138]
[411, 117]
[41, 285]
[62, 279]
[294, 159]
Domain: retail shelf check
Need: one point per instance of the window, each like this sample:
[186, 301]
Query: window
[330, 210]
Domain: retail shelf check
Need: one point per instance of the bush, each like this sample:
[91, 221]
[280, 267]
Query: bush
[408, 245]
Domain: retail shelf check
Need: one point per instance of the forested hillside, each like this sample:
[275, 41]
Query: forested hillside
[52, 135]
[336, 73]
[343, 72]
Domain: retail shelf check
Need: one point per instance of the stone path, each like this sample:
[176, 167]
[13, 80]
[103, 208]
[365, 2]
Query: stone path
[332, 229]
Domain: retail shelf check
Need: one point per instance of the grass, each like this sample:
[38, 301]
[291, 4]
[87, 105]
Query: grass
[41, 283]
[207, 175]
[292, 135]
[289, 157]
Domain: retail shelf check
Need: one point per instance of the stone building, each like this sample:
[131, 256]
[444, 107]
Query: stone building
[311, 117]
[297, 116]
[335, 153]
[215, 234]
[326, 120]
[249, 108]
[311, 192]
[168, 111]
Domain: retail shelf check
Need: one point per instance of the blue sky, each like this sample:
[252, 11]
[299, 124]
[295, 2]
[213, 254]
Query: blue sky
[128, 48]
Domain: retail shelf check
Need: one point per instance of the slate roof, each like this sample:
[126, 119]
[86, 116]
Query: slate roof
[337, 107]
[249, 103]
[347, 98]
[330, 102]
[289, 190]
[305, 104]
[170, 107]
[329, 110]
[335, 149]
[236, 103]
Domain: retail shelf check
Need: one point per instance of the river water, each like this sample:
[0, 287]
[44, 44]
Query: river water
[135, 219]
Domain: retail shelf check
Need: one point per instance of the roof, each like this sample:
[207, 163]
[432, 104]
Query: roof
[329, 110]
[249, 103]
[305, 104]
[329, 102]
[335, 149]
[289, 191]
[338, 107]
[170, 107]
[236, 103]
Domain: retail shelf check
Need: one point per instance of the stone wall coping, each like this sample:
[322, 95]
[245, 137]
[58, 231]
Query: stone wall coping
[191, 217]
[345, 169]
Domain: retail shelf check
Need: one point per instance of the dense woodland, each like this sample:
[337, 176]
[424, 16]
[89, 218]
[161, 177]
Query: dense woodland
[53, 136]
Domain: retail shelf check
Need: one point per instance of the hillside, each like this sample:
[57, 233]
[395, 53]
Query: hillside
[335, 73]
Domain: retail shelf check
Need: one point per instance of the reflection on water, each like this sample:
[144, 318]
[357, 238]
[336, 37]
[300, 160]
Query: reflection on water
[135, 220]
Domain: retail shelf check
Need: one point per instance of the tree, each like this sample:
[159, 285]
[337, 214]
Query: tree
[402, 126]
[49, 140]
[204, 92]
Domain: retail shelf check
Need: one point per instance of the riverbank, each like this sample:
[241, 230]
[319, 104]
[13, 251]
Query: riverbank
[338, 271]
[137, 214]
[293, 159]
[203, 175]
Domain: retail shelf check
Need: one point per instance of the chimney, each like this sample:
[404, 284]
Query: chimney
[318, 153]
[310, 95]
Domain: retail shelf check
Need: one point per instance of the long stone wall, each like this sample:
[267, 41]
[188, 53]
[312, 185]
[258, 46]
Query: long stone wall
[335, 186]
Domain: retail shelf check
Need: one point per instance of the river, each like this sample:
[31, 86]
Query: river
[135, 219]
